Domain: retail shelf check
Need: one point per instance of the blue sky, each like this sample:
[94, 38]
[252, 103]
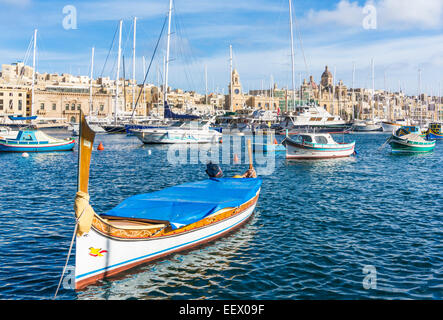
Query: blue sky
[408, 36]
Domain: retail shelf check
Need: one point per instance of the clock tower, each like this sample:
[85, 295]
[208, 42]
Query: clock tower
[235, 97]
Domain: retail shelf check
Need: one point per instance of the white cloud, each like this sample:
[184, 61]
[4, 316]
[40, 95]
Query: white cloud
[346, 13]
[391, 14]
[405, 14]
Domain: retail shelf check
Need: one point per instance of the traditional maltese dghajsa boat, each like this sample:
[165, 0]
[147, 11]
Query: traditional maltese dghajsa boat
[149, 226]
[34, 141]
[307, 146]
[402, 141]
[435, 131]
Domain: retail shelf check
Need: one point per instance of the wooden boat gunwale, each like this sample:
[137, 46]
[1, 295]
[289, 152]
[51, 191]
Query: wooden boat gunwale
[106, 228]
[123, 247]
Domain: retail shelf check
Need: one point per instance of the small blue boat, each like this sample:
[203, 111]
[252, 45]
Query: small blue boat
[20, 118]
[435, 131]
[35, 141]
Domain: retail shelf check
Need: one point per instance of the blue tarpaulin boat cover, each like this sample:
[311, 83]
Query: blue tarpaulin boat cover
[187, 203]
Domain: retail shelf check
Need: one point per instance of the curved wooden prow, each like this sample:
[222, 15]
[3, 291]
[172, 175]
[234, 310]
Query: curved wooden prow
[250, 154]
[85, 145]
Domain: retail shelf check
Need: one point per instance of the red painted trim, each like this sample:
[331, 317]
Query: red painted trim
[316, 158]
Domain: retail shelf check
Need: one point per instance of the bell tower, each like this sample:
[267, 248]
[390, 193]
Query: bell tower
[236, 98]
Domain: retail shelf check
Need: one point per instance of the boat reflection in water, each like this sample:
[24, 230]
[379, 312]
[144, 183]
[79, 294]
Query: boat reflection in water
[185, 274]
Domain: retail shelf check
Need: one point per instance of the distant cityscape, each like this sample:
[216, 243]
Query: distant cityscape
[60, 97]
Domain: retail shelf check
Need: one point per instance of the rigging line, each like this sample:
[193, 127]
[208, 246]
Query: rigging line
[181, 50]
[149, 67]
[301, 44]
[109, 51]
[127, 39]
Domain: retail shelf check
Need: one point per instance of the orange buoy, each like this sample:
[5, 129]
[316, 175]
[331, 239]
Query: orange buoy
[221, 140]
[100, 147]
[275, 141]
[236, 158]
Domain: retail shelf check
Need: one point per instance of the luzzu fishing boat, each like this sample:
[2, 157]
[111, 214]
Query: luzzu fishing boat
[34, 141]
[150, 226]
[308, 146]
[402, 141]
[435, 131]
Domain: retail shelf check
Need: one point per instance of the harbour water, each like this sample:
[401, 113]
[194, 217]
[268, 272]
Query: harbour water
[319, 230]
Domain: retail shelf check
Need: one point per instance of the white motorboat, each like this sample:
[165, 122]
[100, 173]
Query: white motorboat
[311, 146]
[389, 126]
[180, 132]
[312, 116]
[366, 126]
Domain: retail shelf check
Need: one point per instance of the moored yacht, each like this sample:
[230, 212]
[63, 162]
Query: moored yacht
[180, 132]
[367, 126]
[313, 117]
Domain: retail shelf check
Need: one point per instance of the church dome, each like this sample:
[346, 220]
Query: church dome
[326, 73]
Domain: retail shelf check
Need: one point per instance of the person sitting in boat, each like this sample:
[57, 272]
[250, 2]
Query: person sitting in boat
[214, 171]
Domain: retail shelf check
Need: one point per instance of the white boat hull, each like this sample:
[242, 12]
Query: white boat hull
[95, 127]
[118, 255]
[177, 136]
[338, 151]
[391, 126]
[367, 128]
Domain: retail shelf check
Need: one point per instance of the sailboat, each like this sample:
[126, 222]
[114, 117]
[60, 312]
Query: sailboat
[31, 139]
[370, 125]
[116, 127]
[150, 226]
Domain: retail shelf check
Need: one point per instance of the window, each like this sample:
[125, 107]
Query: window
[11, 105]
[11, 94]
[42, 106]
[20, 94]
[1, 104]
[306, 138]
[1, 93]
[73, 106]
[321, 140]
[79, 106]
[20, 105]
[54, 106]
[67, 106]
[102, 107]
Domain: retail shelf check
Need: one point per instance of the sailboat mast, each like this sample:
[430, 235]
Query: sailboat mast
[230, 75]
[118, 70]
[167, 52]
[206, 84]
[90, 81]
[419, 97]
[133, 63]
[144, 91]
[33, 73]
[373, 88]
[292, 53]
[353, 90]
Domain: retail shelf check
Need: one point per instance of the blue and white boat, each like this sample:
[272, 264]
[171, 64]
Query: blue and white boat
[34, 141]
[435, 131]
[310, 146]
[150, 226]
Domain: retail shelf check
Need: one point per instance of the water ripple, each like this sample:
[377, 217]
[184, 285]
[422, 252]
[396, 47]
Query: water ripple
[316, 227]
